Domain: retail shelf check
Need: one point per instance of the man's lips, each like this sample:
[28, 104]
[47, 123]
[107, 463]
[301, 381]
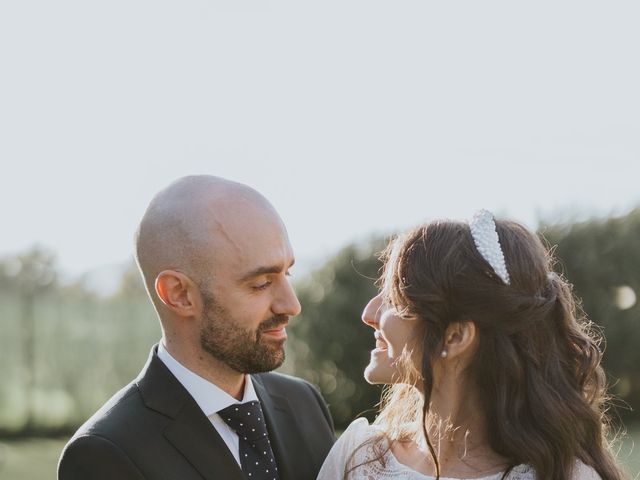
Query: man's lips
[278, 332]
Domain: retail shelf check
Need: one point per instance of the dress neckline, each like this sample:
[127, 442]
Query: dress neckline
[401, 466]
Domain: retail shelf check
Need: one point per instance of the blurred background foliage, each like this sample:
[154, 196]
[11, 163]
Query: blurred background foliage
[64, 350]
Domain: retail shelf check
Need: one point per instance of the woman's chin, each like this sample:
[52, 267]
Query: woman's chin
[377, 374]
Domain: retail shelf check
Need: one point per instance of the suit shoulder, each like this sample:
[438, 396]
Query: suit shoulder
[283, 384]
[93, 456]
[113, 414]
[295, 389]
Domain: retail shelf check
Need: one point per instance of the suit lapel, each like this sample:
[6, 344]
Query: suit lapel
[281, 426]
[188, 429]
[193, 435]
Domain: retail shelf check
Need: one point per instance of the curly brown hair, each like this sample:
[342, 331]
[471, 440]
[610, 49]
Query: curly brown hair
[536, 370]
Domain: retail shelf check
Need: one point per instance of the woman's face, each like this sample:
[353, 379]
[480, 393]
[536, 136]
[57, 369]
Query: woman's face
[392, 334]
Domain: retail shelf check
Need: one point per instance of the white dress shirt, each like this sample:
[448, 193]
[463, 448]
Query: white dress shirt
[209, 397]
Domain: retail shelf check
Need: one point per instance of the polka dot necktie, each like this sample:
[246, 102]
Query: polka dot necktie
[256, 457]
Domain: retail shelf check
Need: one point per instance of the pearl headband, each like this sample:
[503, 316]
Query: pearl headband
[485, 237]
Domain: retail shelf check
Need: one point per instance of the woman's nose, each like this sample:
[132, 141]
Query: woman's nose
[370, 314]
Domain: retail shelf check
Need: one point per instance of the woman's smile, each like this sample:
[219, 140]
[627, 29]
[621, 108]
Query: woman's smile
[381, 344]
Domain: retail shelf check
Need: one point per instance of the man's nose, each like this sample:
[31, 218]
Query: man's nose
[370, 314]
[287, 302]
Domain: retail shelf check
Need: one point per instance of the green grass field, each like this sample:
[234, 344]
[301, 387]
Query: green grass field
[29, 459]
[37, 458]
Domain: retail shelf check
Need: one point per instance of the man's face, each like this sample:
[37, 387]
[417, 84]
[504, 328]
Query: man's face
[249, 300]
[245, 350]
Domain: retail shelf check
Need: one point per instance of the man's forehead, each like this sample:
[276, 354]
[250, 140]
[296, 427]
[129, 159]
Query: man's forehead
[258, 249]
[238, 217]
[263, 253]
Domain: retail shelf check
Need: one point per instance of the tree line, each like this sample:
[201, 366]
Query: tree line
[64, 349]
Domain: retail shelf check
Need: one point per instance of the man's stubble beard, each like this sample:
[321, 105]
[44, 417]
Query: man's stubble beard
[243, 350]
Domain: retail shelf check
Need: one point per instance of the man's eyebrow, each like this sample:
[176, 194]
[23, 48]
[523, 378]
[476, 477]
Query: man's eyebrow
[264, 271]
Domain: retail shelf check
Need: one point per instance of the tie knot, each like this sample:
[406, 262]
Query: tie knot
[246, 419]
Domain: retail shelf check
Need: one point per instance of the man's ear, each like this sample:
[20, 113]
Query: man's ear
[460, 338]
[178, 293]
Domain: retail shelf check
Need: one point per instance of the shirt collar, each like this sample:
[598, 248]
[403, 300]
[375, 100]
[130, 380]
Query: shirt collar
[209, 397]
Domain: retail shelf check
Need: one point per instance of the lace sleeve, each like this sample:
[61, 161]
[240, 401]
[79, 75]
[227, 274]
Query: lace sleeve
[334, 465]
[580, 472]
[584, 472]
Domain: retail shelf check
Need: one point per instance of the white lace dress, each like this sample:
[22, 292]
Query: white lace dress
[360, 431]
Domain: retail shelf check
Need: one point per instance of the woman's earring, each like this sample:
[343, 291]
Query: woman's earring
[444, 354]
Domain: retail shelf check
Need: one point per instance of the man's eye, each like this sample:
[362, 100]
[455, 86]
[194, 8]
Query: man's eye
[262, 286]
[288, 273]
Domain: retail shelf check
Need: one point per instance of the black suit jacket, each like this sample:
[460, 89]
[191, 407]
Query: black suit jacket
[153, 429]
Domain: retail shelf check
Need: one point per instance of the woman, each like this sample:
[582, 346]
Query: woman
[494, 375]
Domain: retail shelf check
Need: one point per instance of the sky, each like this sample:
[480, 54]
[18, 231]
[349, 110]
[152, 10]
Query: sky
[352, 117]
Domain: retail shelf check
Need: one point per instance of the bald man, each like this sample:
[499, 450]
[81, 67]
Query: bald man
[215, 258]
